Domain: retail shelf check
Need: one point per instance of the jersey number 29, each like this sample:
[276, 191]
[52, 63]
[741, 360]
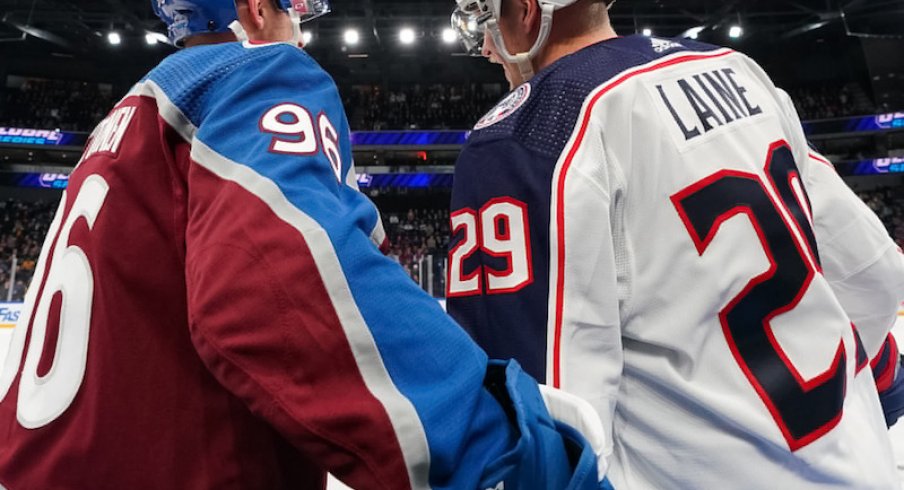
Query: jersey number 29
[804, 410]
[500, 229]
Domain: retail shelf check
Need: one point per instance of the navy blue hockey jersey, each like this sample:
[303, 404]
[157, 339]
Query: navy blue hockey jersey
[643, 224]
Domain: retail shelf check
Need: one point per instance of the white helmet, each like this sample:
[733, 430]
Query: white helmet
[473, 18]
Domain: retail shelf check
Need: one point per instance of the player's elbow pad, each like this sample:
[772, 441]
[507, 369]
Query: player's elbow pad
[548, 454]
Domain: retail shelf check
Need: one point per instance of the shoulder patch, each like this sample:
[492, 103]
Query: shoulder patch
[509, 105]
[662, 45]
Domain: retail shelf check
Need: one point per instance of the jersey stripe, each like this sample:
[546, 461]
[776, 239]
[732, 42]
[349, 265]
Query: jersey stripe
[557, 254]
[405, 420]
[814, 156]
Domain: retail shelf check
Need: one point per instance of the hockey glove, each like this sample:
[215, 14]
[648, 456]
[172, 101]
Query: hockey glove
[547, 455]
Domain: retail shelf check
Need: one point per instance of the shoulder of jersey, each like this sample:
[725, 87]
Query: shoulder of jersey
[558, 92]
[188, 77]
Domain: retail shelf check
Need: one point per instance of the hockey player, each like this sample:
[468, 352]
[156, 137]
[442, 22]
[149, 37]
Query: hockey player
[210, 309]
[641, 222]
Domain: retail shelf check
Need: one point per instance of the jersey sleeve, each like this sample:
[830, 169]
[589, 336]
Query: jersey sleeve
[590, 276]
[863, 265]
[589, 281]
[294, 309]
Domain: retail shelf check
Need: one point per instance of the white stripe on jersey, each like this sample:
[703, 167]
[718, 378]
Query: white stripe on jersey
[401, 412]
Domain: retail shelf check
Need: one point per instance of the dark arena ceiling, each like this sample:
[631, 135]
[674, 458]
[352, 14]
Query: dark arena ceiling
[46, 35]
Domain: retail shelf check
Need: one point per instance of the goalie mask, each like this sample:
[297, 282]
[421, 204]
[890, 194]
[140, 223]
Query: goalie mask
[474, 19]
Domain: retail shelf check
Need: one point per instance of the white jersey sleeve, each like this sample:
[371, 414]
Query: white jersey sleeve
[862, 264]
[691, 271]
[584, 326]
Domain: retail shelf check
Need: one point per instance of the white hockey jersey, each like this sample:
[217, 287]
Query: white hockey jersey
[644, 224]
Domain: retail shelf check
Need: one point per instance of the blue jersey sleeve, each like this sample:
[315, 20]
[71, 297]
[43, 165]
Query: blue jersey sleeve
[295, 310]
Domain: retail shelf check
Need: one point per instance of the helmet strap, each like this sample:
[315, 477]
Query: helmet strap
[524, 61]
[297, 38]
[239, 31]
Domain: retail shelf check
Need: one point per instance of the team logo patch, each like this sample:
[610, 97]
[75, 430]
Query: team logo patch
[663, 45]
[509, 105]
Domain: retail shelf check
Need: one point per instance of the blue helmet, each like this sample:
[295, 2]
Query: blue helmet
[186, 18]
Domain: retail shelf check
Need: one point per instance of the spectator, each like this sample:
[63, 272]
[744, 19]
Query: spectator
[888, 204]
[55, 104]
[831, 101]
[79, 106]
[414, 234]
[23, 227]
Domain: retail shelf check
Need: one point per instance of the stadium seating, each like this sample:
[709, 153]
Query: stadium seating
[419, 107]
[55, 104]
[888, 204]
[830, 102]
[23, 226]
[414, 235]
[79, 106]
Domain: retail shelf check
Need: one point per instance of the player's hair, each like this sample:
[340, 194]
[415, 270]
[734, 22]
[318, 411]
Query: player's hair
[605, 3]
[275, 3]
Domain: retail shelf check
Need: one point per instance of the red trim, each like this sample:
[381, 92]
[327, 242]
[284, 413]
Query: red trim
[703, 243]
[330, 134]
[804, 206]
[477, 272]
[560, 186]
[814, 156]
[385, 247]
[886, 378]
[508, 255]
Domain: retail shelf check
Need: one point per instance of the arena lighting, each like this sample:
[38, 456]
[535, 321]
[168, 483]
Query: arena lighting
[153, 38]
[647, 31]
[114, 38]
[449, 36]
[735, 32]
[306, 37]
[351, 37]
[693, 32]
[407, 35]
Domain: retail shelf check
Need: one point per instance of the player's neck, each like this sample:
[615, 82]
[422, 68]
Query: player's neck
[209, 38]
[563, 45]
